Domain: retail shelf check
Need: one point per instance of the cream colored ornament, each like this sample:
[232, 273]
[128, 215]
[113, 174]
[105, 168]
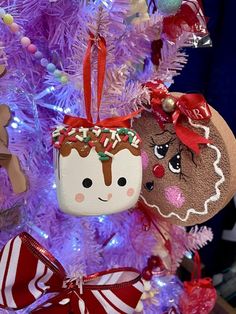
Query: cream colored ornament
[98, 170]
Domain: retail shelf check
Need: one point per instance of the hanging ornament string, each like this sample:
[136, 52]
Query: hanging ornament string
[102, 53]
[121, 121]
[196, 276]
[150, 221]
[199, 293]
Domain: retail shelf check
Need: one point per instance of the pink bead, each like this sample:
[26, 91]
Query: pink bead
[32, 48]
[14, 27]
[25, 41]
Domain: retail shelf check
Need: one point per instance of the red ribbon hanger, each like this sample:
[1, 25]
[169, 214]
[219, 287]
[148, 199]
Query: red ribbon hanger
[196, 280]
[123, 121]
[29, 271]
[193, 106]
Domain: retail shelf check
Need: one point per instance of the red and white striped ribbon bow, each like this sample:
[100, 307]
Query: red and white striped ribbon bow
[27, 271]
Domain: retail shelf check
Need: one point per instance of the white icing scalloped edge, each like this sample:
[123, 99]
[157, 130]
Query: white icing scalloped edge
[212, 198]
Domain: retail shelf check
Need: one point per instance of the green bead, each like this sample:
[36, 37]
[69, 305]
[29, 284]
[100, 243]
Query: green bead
[168, 7]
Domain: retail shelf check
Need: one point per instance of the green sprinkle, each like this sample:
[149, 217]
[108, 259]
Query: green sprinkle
[87, 139]
[123, 131]
[105, 131]
[104, 158]
[101, 154]
[130, 138]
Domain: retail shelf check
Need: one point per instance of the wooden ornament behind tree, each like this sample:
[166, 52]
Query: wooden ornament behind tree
[179, 185]
[7, 160]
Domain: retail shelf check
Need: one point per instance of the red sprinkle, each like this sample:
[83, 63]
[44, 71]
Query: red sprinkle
[91, 144]
[63, 132]
[72, 139]
[109, 147]
[103, 138]
[61, 139]
[125, 138]
[56, 145]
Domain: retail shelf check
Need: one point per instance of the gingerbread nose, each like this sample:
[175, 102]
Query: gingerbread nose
[158, 171]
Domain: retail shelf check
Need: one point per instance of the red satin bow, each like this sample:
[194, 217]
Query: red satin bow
[101, 69]
[123, 121]
[193, 106]
[27, 271]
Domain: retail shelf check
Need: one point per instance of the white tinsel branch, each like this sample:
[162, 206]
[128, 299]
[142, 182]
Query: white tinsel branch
[198, 237]
[3, 56]
[173, 59]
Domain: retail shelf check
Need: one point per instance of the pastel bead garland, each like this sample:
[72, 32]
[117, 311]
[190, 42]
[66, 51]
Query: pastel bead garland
[8, 20]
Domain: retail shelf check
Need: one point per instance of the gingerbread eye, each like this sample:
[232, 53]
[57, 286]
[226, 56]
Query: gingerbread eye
[160, 151]
[175, 163]
[87, 183]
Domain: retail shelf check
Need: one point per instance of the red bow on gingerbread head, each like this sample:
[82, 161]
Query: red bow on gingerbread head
[27, 271]
[180, 110]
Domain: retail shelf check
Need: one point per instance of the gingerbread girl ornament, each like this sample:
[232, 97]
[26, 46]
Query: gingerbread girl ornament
[189, 156]
[7, 160]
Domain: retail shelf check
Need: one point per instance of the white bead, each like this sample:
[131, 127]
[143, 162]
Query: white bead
[2, 12]
[147, 285]
[144, 296]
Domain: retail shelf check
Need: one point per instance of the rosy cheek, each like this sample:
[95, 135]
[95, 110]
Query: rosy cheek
[109, 196]
[145, 159]
[130, 192]
[175, 196]
[79, 197]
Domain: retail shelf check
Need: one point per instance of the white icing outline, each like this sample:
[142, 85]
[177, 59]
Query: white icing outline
[212, 198]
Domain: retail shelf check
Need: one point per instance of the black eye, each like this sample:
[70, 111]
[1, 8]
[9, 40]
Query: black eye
[160, 151]
[87, 183]
[175, 163]
[122, 181]
[149, 186]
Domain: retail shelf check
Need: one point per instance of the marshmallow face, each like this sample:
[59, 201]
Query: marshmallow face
[87, 185]
[178, 185]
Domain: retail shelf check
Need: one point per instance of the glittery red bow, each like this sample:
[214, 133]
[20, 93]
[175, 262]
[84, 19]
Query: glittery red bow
[27, 271]
[187, 106]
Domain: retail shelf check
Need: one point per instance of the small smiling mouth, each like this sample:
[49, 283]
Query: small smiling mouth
[102, 199]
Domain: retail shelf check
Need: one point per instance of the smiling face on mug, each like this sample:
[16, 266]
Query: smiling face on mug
[88, 186]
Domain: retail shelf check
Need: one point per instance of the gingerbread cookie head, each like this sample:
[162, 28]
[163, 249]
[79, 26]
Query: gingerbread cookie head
[179, 185]
[98, 170]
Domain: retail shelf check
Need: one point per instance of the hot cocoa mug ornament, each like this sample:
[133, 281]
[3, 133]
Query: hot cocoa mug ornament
[189, 157]
[98, 165]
